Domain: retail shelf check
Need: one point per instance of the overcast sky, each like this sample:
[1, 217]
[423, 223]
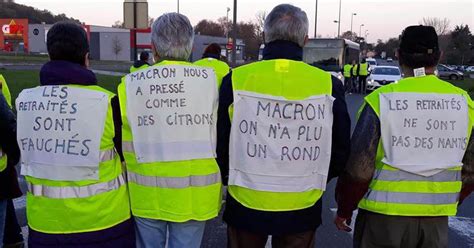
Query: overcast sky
[382, 18]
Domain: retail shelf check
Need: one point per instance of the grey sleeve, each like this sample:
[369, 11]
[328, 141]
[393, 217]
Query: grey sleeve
[468, 161]
[364, 144]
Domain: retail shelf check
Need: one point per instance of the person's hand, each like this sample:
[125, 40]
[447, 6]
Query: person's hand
[342, 224]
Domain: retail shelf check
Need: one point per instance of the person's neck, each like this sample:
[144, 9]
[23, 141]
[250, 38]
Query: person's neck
[409, 72]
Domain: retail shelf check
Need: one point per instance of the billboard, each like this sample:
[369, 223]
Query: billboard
[14, 35]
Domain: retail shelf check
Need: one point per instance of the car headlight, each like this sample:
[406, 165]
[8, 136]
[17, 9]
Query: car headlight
[371, 82]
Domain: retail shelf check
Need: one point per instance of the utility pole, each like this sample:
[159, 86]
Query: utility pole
[227, 35]
[178, 6]
[339, 21]
[352, 20]
[234, 35]
[316, 21]
[360, 30]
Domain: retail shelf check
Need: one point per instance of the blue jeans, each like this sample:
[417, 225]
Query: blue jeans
[3, 216]
[153, 233]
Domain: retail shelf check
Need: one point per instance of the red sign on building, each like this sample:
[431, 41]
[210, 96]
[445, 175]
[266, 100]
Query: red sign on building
[14, 35]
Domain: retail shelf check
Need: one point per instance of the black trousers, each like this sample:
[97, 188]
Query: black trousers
[239, 238]
[374, 230]
[12, 233]
[362, 84]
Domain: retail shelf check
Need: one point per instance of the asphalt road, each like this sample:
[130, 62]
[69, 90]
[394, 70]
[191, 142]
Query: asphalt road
[461, 232]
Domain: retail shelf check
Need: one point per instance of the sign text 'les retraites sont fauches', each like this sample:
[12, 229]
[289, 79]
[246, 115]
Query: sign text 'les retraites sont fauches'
[172, 112]
[424, 133]
[280, 145]
[59, 132]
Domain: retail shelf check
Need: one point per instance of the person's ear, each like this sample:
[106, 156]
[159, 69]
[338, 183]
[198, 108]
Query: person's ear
[306, 39]
[86, 60]
[156, 57]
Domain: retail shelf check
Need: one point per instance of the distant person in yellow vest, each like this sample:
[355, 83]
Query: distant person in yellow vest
[362, 73]
[141, 63]
[409, 170]
[169, 114]
[212, 58]
[277, 168]
[346, 71]
[69, 136]
[5, 90]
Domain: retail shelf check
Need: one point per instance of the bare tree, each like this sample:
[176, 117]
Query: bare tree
[118, 24]
[260, 24]
[116, 46]
[441, 25]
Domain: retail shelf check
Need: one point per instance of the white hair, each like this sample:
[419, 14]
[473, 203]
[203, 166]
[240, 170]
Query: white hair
[173, 36]
[286, 22]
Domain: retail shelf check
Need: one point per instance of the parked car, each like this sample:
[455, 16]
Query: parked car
[383, 75]
[389, 59]
[448, 73]
[372, 63]
[470, 68]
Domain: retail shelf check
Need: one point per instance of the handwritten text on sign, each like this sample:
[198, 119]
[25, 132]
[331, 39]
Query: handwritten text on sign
[289, 141]
[172, 112]
[423, 132]
[61, 127]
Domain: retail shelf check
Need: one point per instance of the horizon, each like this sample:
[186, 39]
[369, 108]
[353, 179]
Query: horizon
[371, 13]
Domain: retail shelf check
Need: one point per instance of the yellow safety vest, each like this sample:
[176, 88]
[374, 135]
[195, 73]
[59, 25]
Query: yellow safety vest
[221, 68]
[396, 192]
[347, 70]
[363, 69]
[292, 80]
[176, 191]
[134, 69]
[64, 207]
[6, 93]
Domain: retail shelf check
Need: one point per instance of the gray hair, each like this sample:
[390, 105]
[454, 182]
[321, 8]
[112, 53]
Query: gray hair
[173, 36]
[286, 22]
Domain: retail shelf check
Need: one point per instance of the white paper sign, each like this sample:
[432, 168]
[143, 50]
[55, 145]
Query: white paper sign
[280, 145]
[59, 132]
[172, 112]
[423, 133]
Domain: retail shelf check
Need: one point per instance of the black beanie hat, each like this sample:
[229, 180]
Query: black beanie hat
[419, 39]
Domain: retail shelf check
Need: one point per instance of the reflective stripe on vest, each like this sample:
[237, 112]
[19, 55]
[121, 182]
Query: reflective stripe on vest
[398, 175]
[412, 198]
[107, 155]
[174, 182]
[76, 192]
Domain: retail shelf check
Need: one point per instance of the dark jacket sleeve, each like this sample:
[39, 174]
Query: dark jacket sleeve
[117, 126]
[467, 171]
[226, 98]
[8, 133]
[341, 131]
[354, 182]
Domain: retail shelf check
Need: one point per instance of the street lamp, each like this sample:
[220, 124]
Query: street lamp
[360, 29]
[234, 35]
[316, 20]
[227, 23]
[366, 34]
[339, 21]
[352, 20]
